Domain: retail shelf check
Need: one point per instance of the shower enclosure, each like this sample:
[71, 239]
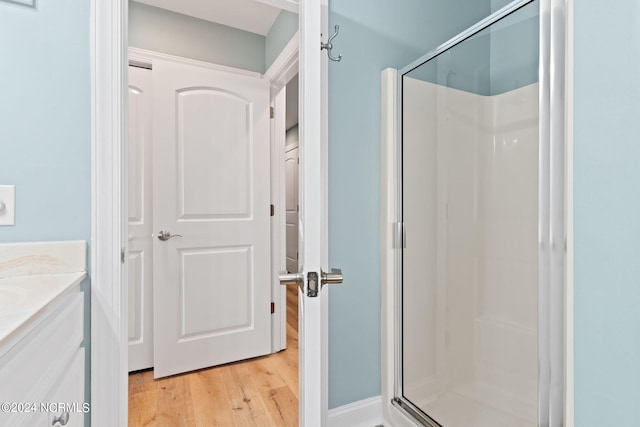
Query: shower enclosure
[480, 227]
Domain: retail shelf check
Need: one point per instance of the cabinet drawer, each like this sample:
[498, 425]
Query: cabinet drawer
[69, 391]
[32, 367]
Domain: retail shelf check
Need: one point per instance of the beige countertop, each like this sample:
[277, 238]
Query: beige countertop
[34, 278]
[23, 298]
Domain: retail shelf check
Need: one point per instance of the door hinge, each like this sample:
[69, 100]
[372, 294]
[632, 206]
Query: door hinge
[271, 112]
[273, 210]
[123, 255]
[273, 307]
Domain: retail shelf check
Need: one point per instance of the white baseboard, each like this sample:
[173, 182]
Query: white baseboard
[363, 413]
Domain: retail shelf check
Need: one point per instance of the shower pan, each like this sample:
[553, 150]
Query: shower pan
[479, 226]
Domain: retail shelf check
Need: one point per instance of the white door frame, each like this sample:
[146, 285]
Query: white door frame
[313, 225]
[283, 69]
[109, 349]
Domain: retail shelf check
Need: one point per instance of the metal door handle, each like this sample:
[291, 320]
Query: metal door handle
[166, 235]
[287, 278]
[312, 277]
[333, 278]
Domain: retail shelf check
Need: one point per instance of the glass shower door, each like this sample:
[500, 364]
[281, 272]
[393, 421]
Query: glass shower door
[470, 207]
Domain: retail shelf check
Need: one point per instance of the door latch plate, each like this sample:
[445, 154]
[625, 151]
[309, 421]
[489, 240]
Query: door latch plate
[312, 284]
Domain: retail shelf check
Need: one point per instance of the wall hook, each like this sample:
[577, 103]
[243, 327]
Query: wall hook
[329, 45]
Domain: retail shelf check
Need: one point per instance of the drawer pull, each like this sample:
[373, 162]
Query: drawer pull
[62, 420]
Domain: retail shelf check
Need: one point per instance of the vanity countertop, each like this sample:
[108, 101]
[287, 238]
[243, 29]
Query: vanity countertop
[34, 278]
[23, 298]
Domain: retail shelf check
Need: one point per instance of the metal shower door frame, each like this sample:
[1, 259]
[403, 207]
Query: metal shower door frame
[551, 212]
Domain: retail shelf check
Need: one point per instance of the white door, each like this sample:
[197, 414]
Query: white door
[312, 247]
[291, 204]
[211, 217]
[140, 269]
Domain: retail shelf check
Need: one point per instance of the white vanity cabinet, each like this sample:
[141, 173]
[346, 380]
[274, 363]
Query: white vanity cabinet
[69, 389]
[42, 381]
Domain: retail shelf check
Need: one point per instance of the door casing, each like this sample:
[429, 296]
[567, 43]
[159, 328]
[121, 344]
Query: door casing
[109, 349]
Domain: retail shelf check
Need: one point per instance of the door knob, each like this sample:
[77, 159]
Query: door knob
[287, 278]
[333, 278]
[166, 235]
[312, 289]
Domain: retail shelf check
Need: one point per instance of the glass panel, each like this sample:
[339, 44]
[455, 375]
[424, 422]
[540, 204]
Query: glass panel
[470, 207]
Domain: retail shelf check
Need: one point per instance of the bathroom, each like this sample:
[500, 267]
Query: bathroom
[45, 151]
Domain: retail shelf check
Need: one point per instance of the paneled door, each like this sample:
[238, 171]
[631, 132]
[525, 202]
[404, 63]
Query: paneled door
[291, 165]
[140, 283]
[211, 217]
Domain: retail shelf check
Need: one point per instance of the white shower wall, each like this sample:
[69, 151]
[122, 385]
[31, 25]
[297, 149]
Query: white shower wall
[470, 206]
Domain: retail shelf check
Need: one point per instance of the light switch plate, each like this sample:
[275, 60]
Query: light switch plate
[7, 204]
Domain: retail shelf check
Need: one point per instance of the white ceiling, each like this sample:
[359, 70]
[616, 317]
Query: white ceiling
[249, 15]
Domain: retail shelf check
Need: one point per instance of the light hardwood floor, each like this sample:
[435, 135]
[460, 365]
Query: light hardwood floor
[258, 392]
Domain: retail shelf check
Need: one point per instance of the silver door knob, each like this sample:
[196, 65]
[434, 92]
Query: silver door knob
[333, 278]
[287, 278]
[166, 235]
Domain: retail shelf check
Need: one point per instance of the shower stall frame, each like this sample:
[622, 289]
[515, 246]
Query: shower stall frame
[554, 326]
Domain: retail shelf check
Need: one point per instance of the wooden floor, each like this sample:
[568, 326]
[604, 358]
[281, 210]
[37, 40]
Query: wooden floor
[257, 392]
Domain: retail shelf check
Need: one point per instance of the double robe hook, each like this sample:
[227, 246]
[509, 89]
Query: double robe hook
[328, 45]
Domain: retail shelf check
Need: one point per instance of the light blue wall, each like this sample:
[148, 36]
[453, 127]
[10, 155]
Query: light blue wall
[279, 35]
[374, 35]
[45, 126]
[514, 52]
[465, 67]
[607, 213]
[501, 58]
[45, 117]
[163, 31]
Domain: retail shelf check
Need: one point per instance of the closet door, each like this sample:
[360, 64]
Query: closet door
[212, 294]
[140, 221]
[291, 165]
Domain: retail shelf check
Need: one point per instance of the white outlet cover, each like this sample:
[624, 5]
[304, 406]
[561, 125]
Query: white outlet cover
[8, 198]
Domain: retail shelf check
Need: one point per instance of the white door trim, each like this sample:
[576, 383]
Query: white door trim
[313, 180]
[145, 57]
[285, 66]
[109, 60]
[283, 69]
[278, 221]
[109, 347]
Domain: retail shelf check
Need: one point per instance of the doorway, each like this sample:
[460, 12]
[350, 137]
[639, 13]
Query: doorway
[274, 401]
[109, 231]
